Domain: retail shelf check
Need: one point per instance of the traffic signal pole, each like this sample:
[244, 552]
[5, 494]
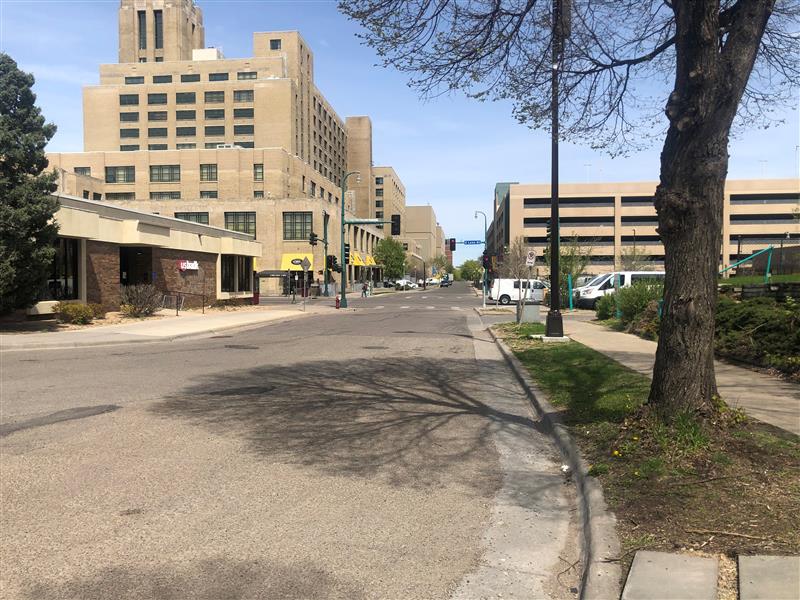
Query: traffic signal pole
[325, 272]
[343, 302]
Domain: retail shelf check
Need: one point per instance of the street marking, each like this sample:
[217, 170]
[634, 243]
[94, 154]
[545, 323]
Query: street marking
[405, 307]
[430, 307]
[424, 297]
[379, 307]
[456, 308]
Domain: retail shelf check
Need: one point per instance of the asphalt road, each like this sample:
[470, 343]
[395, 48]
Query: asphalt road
[380, 452]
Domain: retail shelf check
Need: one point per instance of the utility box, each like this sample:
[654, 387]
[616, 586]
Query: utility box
[528, 313]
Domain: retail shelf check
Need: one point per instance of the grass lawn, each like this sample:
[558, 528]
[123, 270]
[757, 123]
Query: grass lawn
[759, 279]
[725, 487]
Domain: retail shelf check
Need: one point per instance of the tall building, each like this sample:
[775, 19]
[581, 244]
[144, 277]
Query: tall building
[422, 236]
[610, 220]
[249, 144]
[389, 195]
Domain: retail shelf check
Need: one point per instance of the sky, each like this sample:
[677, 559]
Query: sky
[449, 151]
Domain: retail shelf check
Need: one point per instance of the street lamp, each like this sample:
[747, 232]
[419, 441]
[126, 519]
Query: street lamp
[485, 250]
[343, 302]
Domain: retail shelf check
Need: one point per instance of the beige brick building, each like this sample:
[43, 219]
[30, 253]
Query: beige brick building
[422, 236]
[612, 218]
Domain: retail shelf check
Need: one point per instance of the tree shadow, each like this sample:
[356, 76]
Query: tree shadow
[211, 579]
[404, 421]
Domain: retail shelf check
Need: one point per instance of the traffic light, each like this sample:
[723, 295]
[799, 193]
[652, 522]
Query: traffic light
[395, 224]
[347, 254]
[549, 228]
[332, 264]
[312, 238]
[452, 244]
[486, 261]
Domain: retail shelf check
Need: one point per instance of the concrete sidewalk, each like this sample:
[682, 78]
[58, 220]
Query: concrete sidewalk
[165, 329]
[766, 398]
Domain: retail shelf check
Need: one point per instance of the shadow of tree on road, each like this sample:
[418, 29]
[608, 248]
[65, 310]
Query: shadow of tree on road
[409, 421]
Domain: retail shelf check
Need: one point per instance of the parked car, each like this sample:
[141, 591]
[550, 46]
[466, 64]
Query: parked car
[446, 282]
[388, 283]
[587, 296]
[405, 284]
[506, 291]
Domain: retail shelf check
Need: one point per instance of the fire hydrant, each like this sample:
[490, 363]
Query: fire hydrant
[338, 300]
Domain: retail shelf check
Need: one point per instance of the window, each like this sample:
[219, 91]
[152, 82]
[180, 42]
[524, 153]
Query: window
[129, 133]
[159, 59]
[162, 78]
[208, 172]
[82, 171]
[258, 194]
[185, 115]
[378, 203]
[165, 195]
[142, 18]
[165, 173]
[313, 189]
[62, 280]
[129, 117]
[258, 172]
[405, 245]
[128, 99]
[651, 277]
[242, 113]
[214, 97]
[209, 194]
[215, 113]
[243, 222]
[159, 24]
[227, 275]
[190, 77]
[243, 95]
[245, 144]
[297, 225]
[128, 147]
[246, 75]
[85, 194]
[156, 98]
[274, 44]
[379, 181]
[97, 196]
[112, 196]
[157, 115]
[194, 217]
[156, 146]
[157, 132]
[218, 77]
[379, 214]
[120, 175]
[212, 145]
[244, 272]
[185, 98]
[379, 193]
[186, 146]
[185, 132]
[242, 130]
[134, 80]
[142, 59]
[215, 130]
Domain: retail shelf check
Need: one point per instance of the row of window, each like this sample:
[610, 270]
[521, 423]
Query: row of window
[186, 115]
[210, 130]
[191, 77]
[297, 225]
[214, 97]
[130, 196]
[185, 146]
[164, 173]
[158, 22]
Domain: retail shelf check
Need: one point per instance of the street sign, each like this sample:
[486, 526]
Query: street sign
[472, 242]
[297, 261]
[305, 263]
[530, 260]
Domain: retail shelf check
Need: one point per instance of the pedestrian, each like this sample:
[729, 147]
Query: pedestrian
[364, 290]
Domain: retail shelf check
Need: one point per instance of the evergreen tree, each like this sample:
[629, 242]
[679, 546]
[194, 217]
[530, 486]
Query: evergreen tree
[27, 230]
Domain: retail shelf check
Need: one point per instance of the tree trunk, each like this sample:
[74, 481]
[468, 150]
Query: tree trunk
[709, 83]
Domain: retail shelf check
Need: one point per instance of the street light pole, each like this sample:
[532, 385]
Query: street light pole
[343, 302]
[485, 250]
[555, 324]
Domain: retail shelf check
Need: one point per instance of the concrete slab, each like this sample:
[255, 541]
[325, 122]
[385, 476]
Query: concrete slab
[769, 577]
[665, 576]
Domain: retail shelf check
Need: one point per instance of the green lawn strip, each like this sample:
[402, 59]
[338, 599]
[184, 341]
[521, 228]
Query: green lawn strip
[759, 279]
[664, 482]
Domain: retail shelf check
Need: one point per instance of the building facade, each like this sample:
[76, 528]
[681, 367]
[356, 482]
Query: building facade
[612, 220]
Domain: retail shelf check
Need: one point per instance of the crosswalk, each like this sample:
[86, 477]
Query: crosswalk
[406, 307]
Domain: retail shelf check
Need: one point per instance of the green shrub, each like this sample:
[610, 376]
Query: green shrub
[606, 307]
[98, 312]
[633, 300]
[74, 312]
[761, 331]
[646, 324]
[140, 300]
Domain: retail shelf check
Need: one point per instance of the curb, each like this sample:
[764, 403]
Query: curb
[173, 338]
[600, 579]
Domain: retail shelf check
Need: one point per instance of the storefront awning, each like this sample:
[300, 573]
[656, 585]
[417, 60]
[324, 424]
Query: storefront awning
[291, 261]
[356, 260]
[371, 261]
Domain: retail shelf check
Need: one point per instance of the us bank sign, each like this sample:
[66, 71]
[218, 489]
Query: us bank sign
[188, 265]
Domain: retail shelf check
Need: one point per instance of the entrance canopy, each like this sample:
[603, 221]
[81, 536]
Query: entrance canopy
[356, 260]
[370, 261]
[291, 261]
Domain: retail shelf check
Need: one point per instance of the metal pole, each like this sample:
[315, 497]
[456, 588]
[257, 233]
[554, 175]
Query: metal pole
[769, 265]
[343, 303]
[555, 324]
[325, 274]
[569, 290]
[780, 259]
[485, 252]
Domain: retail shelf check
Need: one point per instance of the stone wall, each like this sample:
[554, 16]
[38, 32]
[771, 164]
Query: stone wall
[170, 279]
[102, 274]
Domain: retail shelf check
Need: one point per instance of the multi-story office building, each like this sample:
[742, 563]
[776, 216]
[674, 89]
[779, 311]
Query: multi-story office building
[422, 236]
[248, 144]
[612, 219]
[389, 195]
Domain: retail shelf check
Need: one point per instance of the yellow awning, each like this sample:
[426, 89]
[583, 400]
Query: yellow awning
[356, 260]
[371, 261]
[288, 265]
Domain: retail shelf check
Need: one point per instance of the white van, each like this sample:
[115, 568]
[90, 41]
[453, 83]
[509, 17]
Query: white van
[506, 291]
[587, 295]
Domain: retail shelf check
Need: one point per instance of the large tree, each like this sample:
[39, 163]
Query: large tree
[471, 270]
[389, 253]
[624, 62]
[27, 231]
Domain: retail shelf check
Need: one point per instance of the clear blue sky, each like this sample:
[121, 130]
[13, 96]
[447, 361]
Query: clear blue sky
[449, 152]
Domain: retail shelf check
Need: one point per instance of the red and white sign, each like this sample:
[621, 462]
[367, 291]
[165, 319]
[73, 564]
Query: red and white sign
[188, 265]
